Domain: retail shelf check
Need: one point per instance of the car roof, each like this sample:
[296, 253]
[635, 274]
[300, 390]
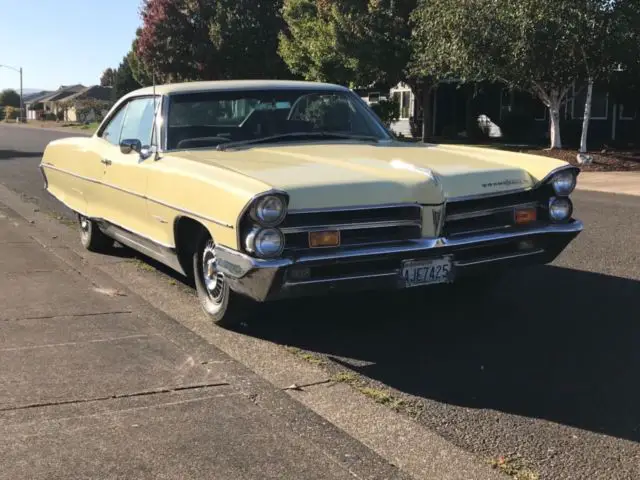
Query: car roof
[221, 85]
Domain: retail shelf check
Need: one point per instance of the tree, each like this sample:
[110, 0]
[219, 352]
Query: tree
[10, 98]
[124, 81]
[350, 42]
[108, 77]
[532, 45]
[608, 33]
[182, 40]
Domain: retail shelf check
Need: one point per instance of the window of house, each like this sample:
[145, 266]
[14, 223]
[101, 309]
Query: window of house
[628, 111]
[374, 97]
[599, 104]
[506, 101]
[397, 98]
[405, 105]
[540, 110]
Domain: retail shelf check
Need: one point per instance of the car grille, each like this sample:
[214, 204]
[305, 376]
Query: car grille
[490, 213]
[357, 226]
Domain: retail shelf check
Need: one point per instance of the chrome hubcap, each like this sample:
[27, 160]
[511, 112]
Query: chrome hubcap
[84, 225]
[213, 280]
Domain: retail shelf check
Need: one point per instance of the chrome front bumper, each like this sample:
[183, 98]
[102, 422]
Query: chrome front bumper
[379, 267]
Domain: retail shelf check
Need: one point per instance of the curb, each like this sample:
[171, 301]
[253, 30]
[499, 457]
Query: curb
[625, 183]
[71, 131]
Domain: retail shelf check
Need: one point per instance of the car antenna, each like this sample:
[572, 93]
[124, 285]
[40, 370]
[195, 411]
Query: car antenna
[155, 111]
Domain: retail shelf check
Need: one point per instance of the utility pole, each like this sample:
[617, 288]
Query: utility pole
[19, 70]
[21, 100]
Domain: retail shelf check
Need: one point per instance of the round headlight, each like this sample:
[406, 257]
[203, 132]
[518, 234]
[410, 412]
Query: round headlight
[560, 209]
[269, 210]
[267, 242]
[564, 182]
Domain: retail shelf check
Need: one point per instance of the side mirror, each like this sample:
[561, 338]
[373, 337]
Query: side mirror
[130, 145]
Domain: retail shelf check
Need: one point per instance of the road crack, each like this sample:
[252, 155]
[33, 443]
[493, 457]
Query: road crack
[117, 396]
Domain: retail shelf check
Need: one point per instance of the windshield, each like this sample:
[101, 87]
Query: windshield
[209, 119]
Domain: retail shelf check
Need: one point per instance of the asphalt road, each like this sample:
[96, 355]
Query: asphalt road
[545, 369]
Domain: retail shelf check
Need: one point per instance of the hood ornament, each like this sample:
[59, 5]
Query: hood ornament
[427, 172]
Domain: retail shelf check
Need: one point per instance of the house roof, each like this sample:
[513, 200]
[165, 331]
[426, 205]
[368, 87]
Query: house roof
[36, 97]
[95, 92]
[62, 92]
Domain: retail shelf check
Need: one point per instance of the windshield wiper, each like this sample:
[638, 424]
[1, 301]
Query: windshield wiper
[275, 138]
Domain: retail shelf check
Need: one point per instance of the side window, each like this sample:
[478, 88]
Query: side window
[111, 133]
[138, 122]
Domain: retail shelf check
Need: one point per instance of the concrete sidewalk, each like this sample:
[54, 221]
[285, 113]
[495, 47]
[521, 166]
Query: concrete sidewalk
[627, 183]
[95, 383]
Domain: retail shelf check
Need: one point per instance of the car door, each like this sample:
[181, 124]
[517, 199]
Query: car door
[99, 196]
[126, 174]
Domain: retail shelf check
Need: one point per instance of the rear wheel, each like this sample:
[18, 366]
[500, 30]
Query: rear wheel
[92, 237]
[225, 307]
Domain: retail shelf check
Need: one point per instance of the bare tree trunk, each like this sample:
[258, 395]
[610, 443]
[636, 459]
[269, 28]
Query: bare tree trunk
[586, 117]
[553, 100]
[554, 114]
[554, 103]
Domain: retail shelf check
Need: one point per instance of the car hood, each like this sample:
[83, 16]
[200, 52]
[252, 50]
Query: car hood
[338, 174]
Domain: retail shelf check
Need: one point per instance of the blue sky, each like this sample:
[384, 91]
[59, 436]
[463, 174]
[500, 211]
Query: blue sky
[63, 42]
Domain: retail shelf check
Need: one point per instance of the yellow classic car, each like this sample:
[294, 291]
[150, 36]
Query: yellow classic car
[262, 190]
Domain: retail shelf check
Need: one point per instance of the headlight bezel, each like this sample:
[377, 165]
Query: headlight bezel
[251, 243]
[254, 211]
[555, 200]
[571, 172]
[250, 224]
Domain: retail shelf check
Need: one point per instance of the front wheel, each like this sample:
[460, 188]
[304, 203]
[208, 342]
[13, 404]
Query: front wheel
[225, 307]
[91, 237]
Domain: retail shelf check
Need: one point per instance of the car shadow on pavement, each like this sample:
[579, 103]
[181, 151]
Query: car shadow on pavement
[13, 154]
[549, 343]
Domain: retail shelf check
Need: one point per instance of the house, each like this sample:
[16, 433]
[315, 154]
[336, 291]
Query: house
[63, 103]
[69, 105]
[33, 100]
[491, 110]
[50, 107]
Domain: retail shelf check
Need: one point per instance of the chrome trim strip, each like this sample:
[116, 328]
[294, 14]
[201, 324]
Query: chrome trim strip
[480, 196]
[498, 258]
[238, 264]
[490, 211]
[395, 273]
[559, 169]
[352, 226]
[519, 190]
[432, 243]
[358, 207]
[111, 223]
[144, 197]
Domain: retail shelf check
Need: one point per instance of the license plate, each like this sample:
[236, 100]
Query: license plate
[427, 272]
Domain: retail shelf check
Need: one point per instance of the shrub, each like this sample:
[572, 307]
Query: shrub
[415, 124]
[11, 113]
[387, 110]
[49, 116]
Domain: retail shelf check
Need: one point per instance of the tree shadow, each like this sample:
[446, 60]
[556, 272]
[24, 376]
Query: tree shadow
[14, 154]
[548, 343]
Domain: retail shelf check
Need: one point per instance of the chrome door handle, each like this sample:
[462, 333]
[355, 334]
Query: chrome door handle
[106, 161]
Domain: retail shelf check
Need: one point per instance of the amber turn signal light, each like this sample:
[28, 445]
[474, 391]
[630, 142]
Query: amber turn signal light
[330, 238]
[526, 215]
